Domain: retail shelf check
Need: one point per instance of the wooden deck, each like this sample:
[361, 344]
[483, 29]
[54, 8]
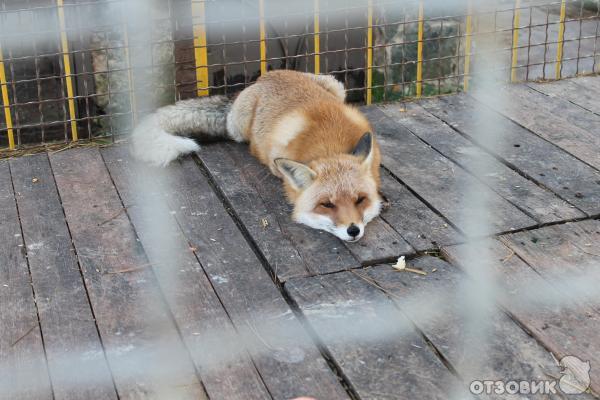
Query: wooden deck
[236, 310]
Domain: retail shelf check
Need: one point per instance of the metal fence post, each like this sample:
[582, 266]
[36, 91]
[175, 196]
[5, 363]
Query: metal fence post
[468, 34]
[515, 41]
[561, 38]
[369, 52]
[6, 104]
[67, 65]
[200, 52]
[419, 88]
[263, 43]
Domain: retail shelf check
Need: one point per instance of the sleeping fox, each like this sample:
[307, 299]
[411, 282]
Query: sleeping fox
[296, 124]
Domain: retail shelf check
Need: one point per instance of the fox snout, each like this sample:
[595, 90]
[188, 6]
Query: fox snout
[351, 232]
[330, 217]
[354, 232]
[338, 194]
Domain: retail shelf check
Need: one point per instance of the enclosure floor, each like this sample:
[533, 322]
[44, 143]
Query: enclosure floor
[83, 282]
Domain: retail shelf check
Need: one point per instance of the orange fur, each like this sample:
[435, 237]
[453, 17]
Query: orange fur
[302, 117]
[333, 128]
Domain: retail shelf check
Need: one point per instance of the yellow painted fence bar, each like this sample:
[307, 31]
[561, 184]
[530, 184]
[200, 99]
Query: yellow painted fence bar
[200, 52]
[67, 63]
[317, 30]
[515, 41]
[263, 43]
[6, 104]
[370, 52]
[561, 39]
[420, 52]
[469, 38]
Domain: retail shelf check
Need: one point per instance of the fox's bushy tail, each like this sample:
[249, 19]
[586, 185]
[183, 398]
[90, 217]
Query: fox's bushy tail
[168, 133]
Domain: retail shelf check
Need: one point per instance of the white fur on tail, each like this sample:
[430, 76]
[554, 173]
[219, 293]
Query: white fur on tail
[151, 143]
[166, 134]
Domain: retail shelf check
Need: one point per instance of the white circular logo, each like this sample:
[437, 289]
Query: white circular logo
[575, 375]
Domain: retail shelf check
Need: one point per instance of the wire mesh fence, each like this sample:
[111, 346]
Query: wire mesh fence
[83, 69]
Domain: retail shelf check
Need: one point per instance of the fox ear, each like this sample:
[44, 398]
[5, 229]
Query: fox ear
[300, 176]
[364, 148]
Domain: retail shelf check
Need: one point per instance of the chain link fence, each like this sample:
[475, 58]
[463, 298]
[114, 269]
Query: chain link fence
[83, 69]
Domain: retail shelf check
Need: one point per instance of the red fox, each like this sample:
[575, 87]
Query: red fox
[298, 125]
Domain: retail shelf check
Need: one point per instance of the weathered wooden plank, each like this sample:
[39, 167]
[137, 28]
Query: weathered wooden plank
[142, 346]
[564, 330]
[288, 361]
[564, 124]
[380, 243]
[260, 218]
[582, 91]
[417, 223]
[590, 82]
[526, 152]
[319, 251]
[65, 314]
[591, 86]
[23, 373]
[504, 351]
[444, 187]
[198, 312]
[376, 347]
[539, 203]
[556, 250]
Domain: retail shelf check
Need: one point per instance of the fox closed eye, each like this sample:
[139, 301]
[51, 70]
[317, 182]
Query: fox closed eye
[360, 200]
[328, 204]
